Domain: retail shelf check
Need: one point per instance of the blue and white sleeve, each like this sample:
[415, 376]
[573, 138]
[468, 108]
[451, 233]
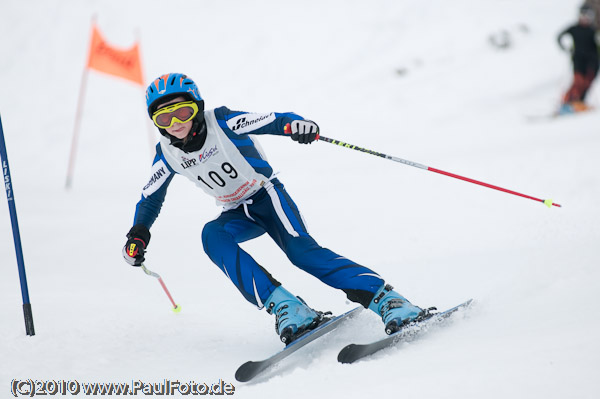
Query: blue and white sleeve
[241, 123]
[154, 192]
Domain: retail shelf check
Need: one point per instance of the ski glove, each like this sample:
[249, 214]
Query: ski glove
[137, 240]
[304, 131]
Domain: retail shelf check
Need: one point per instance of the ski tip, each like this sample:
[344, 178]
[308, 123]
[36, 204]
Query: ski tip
[245, 372]
[466, 304]
[346, 354]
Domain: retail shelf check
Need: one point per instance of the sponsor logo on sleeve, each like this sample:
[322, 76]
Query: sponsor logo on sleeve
[247, 123]
[158, 176]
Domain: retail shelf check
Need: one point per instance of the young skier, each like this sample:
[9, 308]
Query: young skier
[215, 150]
[585, 60]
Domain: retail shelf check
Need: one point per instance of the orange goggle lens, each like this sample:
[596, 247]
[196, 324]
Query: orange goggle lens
[180, 112]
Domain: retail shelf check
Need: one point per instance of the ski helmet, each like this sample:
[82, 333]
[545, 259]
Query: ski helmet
[169, 86]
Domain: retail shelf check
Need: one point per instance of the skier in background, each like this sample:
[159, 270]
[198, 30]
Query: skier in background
[216, 151]
[585, 60]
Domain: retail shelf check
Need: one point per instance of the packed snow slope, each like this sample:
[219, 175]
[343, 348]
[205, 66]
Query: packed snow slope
[418, 80]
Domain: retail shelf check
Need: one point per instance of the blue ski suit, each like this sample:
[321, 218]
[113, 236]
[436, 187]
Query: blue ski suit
[232, 168]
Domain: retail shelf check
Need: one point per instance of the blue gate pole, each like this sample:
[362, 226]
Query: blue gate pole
[16, 235]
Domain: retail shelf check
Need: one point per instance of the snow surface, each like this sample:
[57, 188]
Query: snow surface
[418, 80]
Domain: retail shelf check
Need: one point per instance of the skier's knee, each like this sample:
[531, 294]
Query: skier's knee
[210, 231]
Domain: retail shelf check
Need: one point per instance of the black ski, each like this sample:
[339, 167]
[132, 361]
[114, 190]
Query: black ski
[251, 369]
[354, 352]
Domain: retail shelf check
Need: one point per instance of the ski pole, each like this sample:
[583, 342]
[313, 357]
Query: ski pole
[176, 308]
[29, 328]
[547, 202]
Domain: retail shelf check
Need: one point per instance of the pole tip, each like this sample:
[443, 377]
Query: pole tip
[177, 309]
[549, 204]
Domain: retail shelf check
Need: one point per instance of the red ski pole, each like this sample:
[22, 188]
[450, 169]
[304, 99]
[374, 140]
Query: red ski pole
[547, 202]
[176, 308]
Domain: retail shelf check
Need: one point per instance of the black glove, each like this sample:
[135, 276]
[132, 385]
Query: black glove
[137, 240]
[304, 131]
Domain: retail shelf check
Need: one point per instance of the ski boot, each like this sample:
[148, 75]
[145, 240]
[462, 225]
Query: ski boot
[579, 106]
[292, 316]
[395, 310]
[566, 109]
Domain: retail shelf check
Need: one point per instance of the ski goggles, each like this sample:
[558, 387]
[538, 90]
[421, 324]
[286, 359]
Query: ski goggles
[180, 112]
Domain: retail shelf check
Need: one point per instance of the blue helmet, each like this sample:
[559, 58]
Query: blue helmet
[170, 86]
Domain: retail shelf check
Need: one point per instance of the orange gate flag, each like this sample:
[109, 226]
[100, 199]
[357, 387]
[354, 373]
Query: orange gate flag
[126, 64]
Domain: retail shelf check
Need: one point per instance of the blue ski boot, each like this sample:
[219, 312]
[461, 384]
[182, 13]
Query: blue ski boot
[565, 109]
[395, 310]
[292, 315]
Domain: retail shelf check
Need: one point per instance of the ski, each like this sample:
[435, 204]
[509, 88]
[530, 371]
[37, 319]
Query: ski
[354, 352]
[251, 369]
[560, 114]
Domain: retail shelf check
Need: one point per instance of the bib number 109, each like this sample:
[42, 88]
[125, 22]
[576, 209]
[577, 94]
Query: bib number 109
[216, 177]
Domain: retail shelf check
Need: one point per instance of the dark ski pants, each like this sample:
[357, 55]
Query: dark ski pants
[584, 73]
[272, 210]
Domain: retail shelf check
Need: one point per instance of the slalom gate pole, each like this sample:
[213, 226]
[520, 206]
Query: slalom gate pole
[176, 308]
[29, 329]
[76, 128]
[547, 202]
